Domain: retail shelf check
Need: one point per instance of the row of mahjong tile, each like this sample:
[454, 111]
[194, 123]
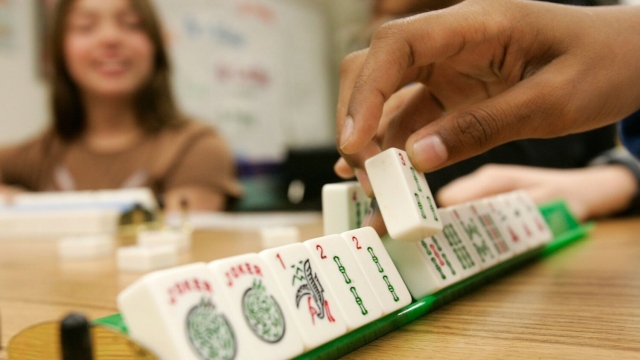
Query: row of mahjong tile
[275, 304]
[475, 236]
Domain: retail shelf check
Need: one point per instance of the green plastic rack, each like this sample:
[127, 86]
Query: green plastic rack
[566, 230]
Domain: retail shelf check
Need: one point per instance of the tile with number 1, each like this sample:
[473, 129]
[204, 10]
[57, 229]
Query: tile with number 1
[306, 294]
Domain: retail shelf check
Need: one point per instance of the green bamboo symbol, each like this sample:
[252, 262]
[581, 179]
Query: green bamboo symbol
[415, 178]
[391, 289]
[375, 259]
[363, 310]
[424, 216]
[343, 271]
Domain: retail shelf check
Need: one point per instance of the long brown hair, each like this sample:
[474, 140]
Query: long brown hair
[154, 104]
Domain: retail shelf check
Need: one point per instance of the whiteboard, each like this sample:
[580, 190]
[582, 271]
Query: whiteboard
[257, 70]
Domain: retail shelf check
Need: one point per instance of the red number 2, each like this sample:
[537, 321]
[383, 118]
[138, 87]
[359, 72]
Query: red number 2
[322, 255]
[402, 159]
[356, 240]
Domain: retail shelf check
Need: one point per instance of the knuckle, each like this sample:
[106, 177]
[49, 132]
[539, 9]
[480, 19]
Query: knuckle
[350, 62]
[477, 127]
[389, 31]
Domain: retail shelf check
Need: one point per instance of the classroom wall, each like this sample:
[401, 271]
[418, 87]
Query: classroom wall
[297, 121]
[23, 95]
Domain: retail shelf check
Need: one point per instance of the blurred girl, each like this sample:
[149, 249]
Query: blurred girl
[115, 123]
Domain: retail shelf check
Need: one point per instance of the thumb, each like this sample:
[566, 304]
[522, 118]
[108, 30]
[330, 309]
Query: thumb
[537, 107]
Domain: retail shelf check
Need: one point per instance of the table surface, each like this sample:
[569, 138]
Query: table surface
[580, 303]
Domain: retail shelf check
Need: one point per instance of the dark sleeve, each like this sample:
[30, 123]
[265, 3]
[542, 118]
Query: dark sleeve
[571, 151]
[629, 129]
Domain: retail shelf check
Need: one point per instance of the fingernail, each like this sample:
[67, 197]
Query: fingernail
[373, 210]
[347, 131]
[430, 152]
[342, 169]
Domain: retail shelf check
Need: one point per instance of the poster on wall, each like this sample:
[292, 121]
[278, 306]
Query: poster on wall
[254, 69]
[7, 26]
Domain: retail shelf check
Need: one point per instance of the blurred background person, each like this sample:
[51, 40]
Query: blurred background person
[115, 123]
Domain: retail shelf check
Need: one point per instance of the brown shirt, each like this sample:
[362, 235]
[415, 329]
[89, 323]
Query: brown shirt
[191, 154]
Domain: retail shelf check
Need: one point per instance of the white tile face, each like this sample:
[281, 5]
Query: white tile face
[306, 294]
[344, 207]
[492, 230]
[470, 226]
[378, 268]
[264, 327]
[356, 299]
[540, 229]
[464, 257]
[513, 234]
[180, 314]
[140, 258]
[521, 223]
[422, 273]
[403, 196]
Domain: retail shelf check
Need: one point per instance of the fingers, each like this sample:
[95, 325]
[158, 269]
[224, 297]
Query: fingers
[410, 109]
[343, 170]
[402, 52]
[374, 219]
[420, 109]
[487, 181]
[393, 105]
[534, 107]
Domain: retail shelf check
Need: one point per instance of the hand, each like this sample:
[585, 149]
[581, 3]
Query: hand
[490, 71]
[404, 7]
[589, 192]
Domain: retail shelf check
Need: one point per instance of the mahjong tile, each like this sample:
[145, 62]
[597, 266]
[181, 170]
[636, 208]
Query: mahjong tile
[541, 228]
[181, 314]
[306, 294]
[347, 282]
[465, 255]
[521, 223]
[515, 235]
[378, 268]
[426, 266]
[469, 225]
[492, 230]
[256, 307]
[405, 201]
[344, 207]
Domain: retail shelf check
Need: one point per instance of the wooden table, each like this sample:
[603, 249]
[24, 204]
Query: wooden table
[581, 303]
